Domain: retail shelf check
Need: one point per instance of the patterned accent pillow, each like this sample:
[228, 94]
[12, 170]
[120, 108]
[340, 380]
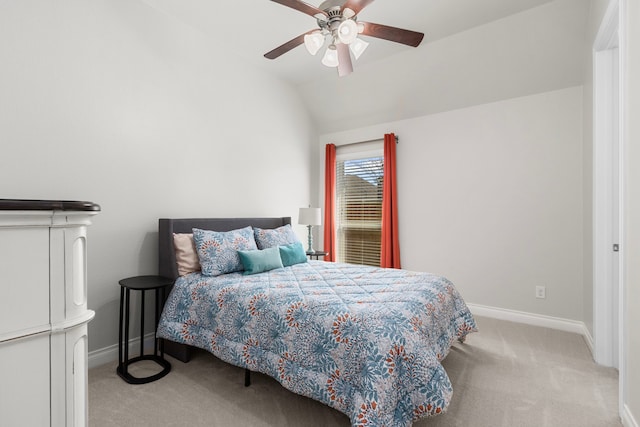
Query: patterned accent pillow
[274, 237]
[218, 250]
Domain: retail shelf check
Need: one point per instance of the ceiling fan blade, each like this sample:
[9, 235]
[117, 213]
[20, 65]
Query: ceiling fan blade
[345, 66]
[356, 5]
[302, 7]
[282, 49]
[398, 35]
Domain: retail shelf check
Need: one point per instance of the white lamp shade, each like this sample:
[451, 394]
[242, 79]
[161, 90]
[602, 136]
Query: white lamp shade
[357, 47]
[310, 216]
[313, 42]
[330, 58]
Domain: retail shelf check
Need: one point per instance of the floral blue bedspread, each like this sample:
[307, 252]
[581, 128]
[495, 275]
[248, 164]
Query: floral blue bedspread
[366, 341]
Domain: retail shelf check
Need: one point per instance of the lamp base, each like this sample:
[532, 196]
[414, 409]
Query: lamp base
[310, 249]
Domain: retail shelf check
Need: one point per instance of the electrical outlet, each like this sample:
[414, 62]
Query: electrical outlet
[541, 292]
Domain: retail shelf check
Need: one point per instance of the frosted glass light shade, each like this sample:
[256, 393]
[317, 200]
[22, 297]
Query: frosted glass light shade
[348, 31]
[310, 216]
[313, 42]
[330, 58]
[357, 47]
[348, 13]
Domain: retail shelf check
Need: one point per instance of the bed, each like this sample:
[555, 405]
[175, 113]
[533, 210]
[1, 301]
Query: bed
[366, 341]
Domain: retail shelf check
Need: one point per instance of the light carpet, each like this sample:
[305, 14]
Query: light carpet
[505, 375]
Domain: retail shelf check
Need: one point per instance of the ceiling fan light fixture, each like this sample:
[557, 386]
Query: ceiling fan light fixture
[357, 47]
[338, 21]
[313, 42]
[330, 58]
[347, 31]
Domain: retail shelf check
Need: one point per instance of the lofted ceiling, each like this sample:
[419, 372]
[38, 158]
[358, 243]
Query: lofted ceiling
[552, 30]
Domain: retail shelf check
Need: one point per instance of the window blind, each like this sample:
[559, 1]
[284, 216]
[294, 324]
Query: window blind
[359, 209]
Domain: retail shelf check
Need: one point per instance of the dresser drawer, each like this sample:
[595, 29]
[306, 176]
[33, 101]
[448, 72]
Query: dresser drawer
[24, 280]
[24, 388]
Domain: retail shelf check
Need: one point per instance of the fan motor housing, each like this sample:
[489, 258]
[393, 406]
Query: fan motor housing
[334, 16]
[331, 4]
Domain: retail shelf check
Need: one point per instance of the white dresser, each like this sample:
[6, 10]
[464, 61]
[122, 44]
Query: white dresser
[43, 312]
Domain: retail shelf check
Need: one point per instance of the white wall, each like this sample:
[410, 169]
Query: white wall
[113, 102]
[491, 197]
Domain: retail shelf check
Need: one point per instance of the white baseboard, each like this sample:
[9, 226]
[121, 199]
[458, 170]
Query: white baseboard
[110, 354]
[588, 338]
[627, 418]
[535, 320]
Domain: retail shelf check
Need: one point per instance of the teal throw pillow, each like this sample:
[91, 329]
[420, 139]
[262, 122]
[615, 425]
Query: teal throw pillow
[259, 261]
[292, 254]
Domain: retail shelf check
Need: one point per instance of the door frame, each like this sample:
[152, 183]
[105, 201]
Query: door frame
[606, 311]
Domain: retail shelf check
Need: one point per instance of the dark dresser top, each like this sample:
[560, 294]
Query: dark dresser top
[47, 205]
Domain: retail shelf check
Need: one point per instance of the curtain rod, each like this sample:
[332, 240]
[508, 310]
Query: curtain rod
[365, 142]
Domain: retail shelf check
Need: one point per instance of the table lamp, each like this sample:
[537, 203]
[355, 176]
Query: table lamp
[310, 217]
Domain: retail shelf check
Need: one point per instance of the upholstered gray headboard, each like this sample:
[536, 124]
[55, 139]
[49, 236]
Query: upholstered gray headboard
[167, 226]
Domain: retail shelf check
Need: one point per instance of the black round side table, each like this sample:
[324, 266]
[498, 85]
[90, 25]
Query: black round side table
[317, 254]
[143, 284]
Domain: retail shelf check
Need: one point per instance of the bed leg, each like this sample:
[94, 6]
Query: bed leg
[247, 378]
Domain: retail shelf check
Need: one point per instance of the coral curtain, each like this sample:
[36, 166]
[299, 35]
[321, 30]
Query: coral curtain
[330, 202]
[390, 245]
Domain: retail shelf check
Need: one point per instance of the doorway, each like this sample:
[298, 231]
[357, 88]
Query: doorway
[608, 220]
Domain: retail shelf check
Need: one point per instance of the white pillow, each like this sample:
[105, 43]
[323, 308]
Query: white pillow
[186, 255]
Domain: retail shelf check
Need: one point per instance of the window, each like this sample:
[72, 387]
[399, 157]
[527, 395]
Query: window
[359, 181]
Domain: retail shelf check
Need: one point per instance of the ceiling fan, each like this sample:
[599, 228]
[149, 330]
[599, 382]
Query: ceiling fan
[337, 21]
